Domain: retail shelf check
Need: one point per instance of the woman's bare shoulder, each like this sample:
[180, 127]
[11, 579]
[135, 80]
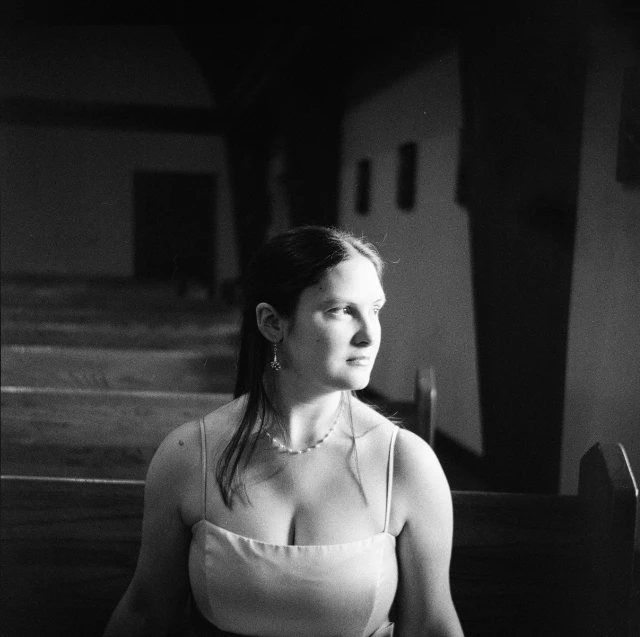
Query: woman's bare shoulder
[222, 422]
[416, 459]
[181, 449]
[420, 482]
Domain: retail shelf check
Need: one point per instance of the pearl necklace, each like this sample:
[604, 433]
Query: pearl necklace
[283, 447]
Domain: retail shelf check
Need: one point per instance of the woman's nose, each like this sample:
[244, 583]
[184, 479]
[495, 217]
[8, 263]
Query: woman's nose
[368, 332]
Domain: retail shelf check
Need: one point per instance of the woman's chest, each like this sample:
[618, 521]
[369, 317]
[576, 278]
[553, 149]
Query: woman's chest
[292, 500]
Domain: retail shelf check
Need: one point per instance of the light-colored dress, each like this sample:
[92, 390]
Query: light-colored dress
[248, 587]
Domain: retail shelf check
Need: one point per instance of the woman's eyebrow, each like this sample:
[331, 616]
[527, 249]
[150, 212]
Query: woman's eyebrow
[334, 300]
[338, 300]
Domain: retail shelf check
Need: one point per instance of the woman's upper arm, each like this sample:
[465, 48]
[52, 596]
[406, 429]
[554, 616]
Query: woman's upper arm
[160, 585]
[423, 503]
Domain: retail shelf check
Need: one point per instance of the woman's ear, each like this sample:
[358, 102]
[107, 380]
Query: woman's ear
[270, 324]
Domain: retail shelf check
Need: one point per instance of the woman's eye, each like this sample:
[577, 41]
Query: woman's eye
[340, 310]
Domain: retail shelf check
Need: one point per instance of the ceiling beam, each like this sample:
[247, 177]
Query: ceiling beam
[127, 117]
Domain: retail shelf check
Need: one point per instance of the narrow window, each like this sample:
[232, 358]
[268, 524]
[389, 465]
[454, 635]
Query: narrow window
[406, 178]
[628, 167]
[363, 178]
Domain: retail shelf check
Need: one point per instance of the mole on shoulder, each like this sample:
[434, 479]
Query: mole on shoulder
[181, 443]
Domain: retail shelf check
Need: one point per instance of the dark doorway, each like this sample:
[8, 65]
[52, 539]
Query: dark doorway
[174, 228]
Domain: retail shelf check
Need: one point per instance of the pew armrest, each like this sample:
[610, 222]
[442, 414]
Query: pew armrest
[608, 486]
[425, 402]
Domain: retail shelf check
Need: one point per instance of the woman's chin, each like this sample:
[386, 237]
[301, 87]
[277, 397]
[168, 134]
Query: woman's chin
[358, 381]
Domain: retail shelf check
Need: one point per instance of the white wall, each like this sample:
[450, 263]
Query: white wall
[66, 194]
[603, 368]
[68, 201]
[429, 316]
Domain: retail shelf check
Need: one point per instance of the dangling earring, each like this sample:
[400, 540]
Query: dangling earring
[275, 364]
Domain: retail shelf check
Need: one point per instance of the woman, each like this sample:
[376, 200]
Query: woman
[297, 509]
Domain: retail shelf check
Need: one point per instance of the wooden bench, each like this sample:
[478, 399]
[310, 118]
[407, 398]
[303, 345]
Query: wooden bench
[85, 291]
[211, 370]
[129, 335]
[91, 433]
[526, 564]
[67, 551]
[97, 313]
[425, 400]
[143, 314]
[523, 565]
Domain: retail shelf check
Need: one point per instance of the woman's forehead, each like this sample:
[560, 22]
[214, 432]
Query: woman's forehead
[355, 277]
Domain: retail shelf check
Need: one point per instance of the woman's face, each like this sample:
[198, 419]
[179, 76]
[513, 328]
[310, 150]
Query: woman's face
[334, 338]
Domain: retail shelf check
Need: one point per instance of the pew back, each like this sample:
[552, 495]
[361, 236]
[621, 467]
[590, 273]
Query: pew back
[211, 370]
[522, 564]
[107, 313]
[91, 433]
[139, 314]
[425, 397]
[123, 335]
[68, 550]
[41, 291]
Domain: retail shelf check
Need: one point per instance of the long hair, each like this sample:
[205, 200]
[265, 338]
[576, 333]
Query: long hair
[278, 274]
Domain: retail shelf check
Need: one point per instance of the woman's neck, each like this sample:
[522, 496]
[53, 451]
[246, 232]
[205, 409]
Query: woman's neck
[303, 417]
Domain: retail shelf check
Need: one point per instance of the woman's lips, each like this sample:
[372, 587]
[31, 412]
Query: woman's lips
[360, 361]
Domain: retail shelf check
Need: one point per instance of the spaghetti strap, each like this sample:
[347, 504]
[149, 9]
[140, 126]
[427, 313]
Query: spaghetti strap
[392, 445]
[203, 449]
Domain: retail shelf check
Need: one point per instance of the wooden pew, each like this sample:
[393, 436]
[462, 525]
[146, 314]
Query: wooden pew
[97, 292]
[141, 328]
[425, 400]
[210, 370]
[143, 314]
[91, 433]
[120, 334]
[549, 565]
[92, 312]
[67, 551]
[523, 565]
